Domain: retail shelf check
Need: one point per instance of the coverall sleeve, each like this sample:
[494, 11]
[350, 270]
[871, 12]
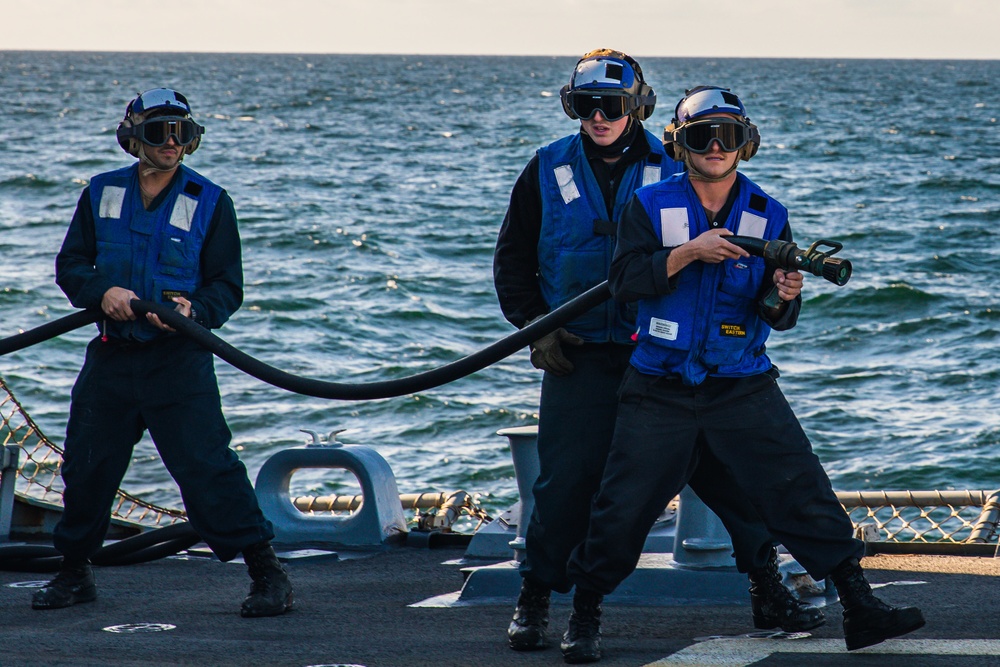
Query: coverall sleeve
[221, 291]
[639, 267]
[515, 259]
[76, 274]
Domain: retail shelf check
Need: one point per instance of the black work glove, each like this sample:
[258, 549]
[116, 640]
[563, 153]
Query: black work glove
[547, 354]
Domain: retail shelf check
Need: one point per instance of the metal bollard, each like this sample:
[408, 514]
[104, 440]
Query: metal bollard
[376, 524]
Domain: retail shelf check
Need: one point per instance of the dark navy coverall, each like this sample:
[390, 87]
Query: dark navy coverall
[577, 412]
[665, 430]
[167, 386]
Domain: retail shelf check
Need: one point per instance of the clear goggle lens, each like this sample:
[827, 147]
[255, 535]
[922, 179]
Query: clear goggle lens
[697, 136]
[157, 131]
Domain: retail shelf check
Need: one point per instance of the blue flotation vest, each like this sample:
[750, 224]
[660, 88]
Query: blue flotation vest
[577, 241]
[709, 325]
[157, 253]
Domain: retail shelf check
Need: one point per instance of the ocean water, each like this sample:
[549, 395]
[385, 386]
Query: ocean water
[370, 191]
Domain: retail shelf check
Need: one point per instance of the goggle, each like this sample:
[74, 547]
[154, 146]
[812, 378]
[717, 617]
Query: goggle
[697, 136]
[613, 107]
[157, 131]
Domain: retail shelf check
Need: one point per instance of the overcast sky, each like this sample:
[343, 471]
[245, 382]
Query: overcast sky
[722, 28]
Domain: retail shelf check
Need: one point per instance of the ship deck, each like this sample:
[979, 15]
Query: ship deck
[358, 611]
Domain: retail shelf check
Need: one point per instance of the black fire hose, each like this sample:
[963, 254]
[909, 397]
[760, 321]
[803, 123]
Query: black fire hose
[318, 388]
[47, 331]
[166, 541]
[142, 548]
[388, 388]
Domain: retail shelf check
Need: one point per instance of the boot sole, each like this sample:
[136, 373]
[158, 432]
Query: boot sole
[77, 598]
[528, 639]
[289, 604]
[523, 645]
[865, 639]
[579, 659]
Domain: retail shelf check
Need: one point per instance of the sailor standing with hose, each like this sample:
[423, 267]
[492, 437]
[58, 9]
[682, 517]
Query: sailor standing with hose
[700, 381]
[159, 231]
[556, 241]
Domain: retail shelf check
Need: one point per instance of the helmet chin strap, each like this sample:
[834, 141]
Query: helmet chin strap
[149, 167]
[696, 175]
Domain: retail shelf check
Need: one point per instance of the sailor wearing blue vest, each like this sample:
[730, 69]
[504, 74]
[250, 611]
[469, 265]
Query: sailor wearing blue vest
[701, 382]
[557, 241]
[158, 231]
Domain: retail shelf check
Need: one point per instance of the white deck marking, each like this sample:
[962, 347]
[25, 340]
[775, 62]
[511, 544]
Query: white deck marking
[742, 651]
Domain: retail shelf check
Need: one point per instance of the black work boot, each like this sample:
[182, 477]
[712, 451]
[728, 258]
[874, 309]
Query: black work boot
[531, 618]
[582, 641]
[74, 583]
[270, 592]
[773, 604]
[868, 620]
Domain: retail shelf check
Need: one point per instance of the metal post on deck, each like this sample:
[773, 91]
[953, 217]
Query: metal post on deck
[524, 452]
[8, 475]
[985, 530]
[701, 540]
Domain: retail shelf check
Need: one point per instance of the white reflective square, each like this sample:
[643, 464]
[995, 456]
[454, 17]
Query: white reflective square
[674, 227]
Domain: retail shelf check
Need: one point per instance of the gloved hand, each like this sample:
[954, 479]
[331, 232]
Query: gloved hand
[547, 354]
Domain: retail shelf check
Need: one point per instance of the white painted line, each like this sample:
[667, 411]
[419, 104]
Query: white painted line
[742, 651]
[134, 628]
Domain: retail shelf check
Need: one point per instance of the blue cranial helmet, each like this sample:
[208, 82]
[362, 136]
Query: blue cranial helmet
[704, 101]
[159, 98]
[159, 102]
[608, 81]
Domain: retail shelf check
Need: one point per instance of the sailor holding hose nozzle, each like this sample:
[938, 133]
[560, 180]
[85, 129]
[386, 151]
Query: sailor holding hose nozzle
[557, 240]
[701, 383]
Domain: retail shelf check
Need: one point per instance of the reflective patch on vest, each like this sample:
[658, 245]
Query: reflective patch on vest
[183, 212]
[732, 330]
[751, 225]
[664, 329]
[650, 174]
[112, 200]
[674, 227]
[567, 187]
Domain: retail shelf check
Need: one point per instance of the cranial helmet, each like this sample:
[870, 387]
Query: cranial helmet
[609, 78]
[704, 101]
[165, 105]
